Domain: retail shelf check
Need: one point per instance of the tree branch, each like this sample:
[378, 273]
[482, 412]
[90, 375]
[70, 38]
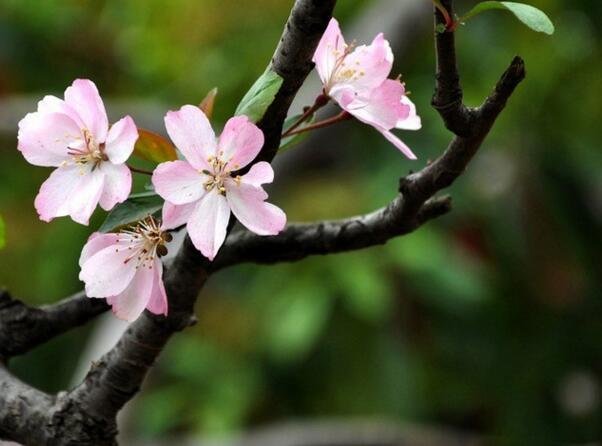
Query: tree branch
[301, 240]
[23, 327]
[440, 174]
[117, 376]
[448, 95]
[292, 61]
[23, 410]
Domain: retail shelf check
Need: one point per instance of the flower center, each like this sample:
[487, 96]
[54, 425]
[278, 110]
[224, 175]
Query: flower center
[146, 241]
[88, 152]
[343, 71]
[219, 173]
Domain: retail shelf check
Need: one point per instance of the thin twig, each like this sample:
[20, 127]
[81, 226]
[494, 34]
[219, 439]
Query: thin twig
[343, 116]
[320, 102]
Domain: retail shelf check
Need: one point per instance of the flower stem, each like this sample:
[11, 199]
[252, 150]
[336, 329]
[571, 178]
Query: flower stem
[320, 102]
[137, 170]
[343, 116]
[450, 24]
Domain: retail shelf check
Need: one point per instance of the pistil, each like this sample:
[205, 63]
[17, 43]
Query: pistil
[90, 153]
[220, 174]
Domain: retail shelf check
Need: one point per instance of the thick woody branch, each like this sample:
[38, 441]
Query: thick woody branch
[23, 410]
[301, 240]
[118, 375]
[23, 327]
[292, 61]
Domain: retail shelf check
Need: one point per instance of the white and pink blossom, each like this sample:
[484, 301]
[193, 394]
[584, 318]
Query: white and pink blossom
[357, 79]
[126, 269]
[73, 135]
[201, 190]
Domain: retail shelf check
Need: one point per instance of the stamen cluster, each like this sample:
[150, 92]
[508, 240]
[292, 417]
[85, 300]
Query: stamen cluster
[146, 240]
[219, 174]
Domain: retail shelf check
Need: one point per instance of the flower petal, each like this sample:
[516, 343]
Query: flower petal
[175, 215]
[97, 242]
[106, 273]
[260, 173]
[382, 107]
[367, 66]
[398, 143]
[131, 302]
[240, 142]
[44, 138]
[117, 184]
[53, 200]
[86, 195]
[121, 140]
[208, 224]
[331, 47]
[83, 97]
[248, 205]
[192, 134]
[157, 303]
[412, 121]
[52, 104]
[178, 182]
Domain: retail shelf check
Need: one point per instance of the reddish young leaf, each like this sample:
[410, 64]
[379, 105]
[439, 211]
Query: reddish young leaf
[153, 147]
[208, 103]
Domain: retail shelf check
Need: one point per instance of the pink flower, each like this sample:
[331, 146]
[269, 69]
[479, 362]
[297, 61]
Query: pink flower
[356, 78]
[73, 135]
[125, 268]
[202, 190]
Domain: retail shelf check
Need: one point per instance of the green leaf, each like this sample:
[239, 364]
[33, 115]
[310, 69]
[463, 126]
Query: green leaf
[260, 96]
[135, 208]
[534, 18]
[289, 141]
[2, 233]
[153, 147]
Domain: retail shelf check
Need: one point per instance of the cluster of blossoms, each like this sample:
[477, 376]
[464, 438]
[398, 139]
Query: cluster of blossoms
[215, 176]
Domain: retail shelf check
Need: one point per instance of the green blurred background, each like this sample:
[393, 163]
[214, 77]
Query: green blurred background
[488, 320]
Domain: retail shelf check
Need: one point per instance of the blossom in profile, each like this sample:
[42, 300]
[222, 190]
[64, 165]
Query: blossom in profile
[202, 189]
[357, 79]
[126, 269]
[73, 135]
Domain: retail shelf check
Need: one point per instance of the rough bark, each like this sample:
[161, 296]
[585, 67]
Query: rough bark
[23, 327]
[300, 240]
[292, 61]
[22, 410]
